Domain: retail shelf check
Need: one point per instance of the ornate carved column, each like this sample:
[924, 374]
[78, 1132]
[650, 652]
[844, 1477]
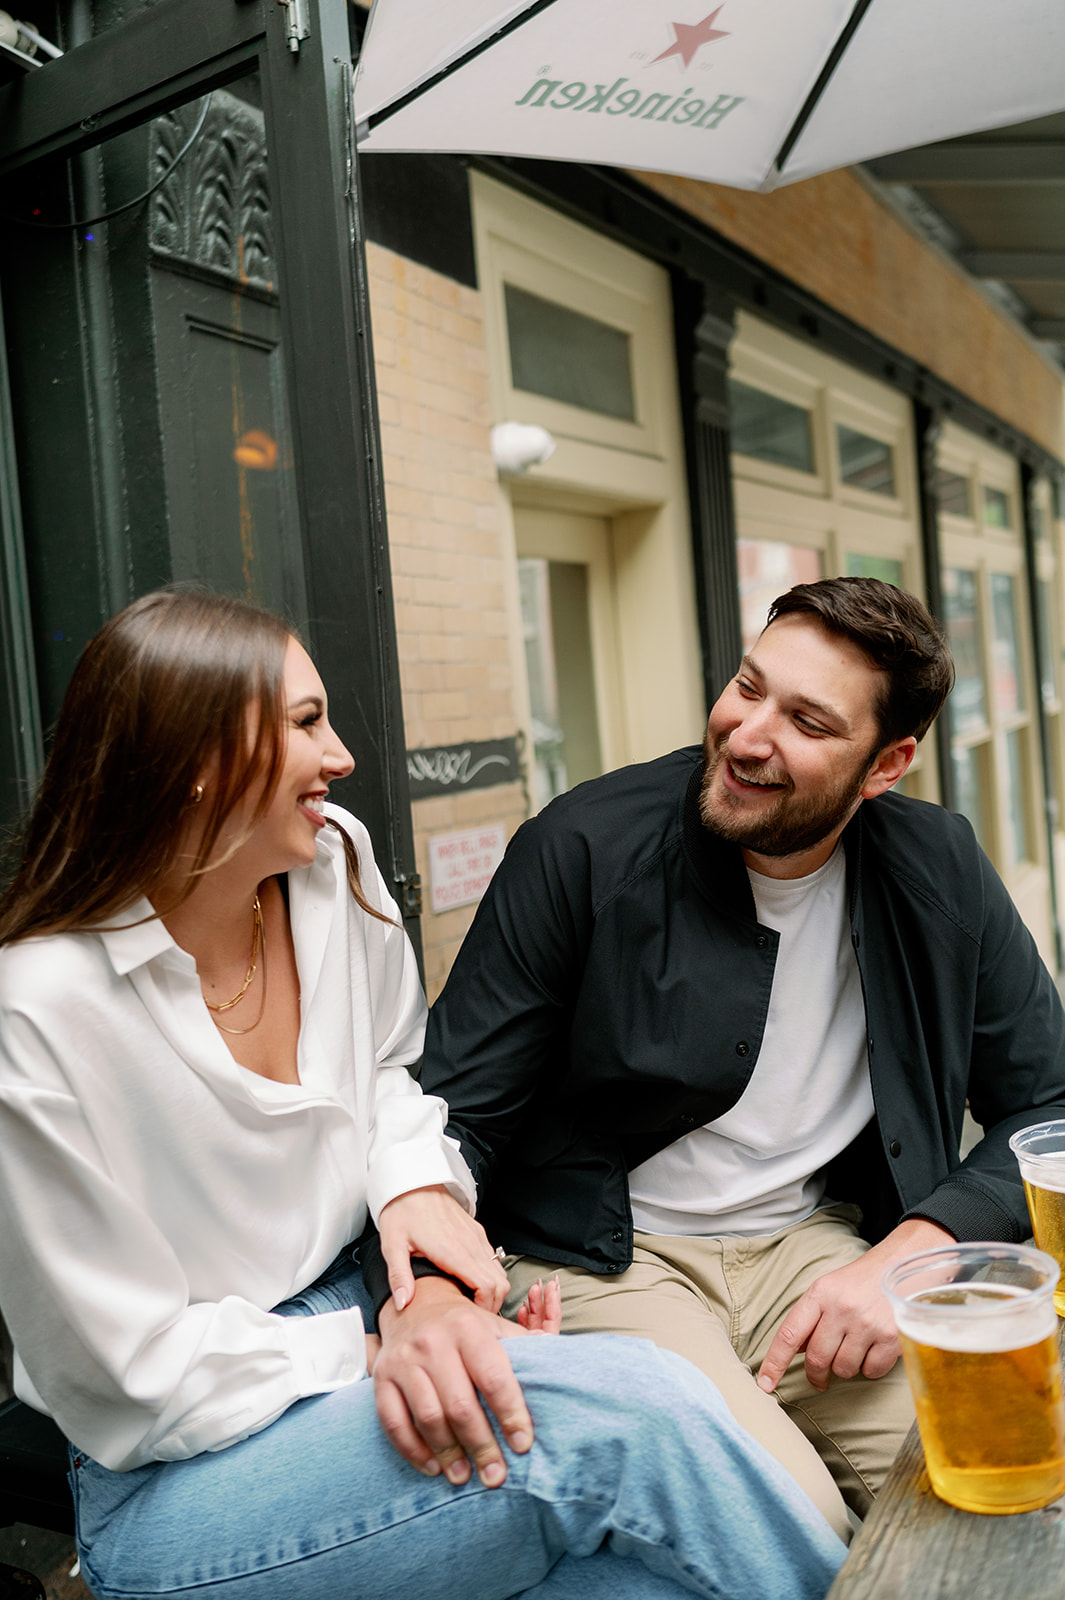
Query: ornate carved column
[214, 212]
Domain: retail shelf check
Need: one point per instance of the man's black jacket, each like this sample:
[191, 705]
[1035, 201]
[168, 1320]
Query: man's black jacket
[613, 989]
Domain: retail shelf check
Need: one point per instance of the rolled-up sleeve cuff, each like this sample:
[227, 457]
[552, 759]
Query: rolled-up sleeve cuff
[417, 1166]
[969, 1213]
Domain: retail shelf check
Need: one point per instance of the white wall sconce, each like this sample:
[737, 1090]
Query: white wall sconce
[517, 446]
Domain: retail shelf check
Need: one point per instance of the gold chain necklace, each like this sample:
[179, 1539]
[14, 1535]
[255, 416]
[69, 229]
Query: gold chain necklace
[258, 947]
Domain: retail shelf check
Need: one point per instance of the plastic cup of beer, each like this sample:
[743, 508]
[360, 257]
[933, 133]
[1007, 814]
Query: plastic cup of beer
[1041, 1154]
[980, 1342]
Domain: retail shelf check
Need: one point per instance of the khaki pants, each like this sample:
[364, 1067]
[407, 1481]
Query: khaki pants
[718, 1302]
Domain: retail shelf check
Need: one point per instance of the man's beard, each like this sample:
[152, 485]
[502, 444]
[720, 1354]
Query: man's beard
[788, 827]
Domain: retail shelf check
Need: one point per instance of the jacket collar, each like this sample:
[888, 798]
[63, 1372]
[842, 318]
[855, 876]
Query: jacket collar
[718, 869]
[715, 865]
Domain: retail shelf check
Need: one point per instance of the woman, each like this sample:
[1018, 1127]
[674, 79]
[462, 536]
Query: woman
[207, 1011]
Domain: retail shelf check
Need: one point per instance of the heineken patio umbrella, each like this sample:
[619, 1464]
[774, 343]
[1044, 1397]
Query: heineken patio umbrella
[753, 93]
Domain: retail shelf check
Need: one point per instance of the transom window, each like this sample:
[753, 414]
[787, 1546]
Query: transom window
[952, 493]
[865, 462]
[770, 429]
[564, 355]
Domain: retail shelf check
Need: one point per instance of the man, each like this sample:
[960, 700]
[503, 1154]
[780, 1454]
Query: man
[715, 1013]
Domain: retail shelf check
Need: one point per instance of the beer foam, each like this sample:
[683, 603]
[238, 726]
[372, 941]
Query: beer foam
[1044, 1171]
[974, 1327]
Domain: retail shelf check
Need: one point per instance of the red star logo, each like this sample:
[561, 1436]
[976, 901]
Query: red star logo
[690, 35]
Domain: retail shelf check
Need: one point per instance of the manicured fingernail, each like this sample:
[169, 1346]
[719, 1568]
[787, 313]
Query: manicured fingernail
[766, 1383]
[493, 1474]
[519, 1442]
[400, 1299]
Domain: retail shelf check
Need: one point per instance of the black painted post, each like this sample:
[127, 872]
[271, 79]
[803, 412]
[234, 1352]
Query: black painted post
[928, 424]
[1038, 622]
[21, 749]
[706, 325]
[336, 440]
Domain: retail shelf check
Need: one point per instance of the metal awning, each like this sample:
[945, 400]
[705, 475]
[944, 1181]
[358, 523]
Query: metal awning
[1001, 195]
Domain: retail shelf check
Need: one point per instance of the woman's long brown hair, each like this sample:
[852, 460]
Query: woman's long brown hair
[182, 687]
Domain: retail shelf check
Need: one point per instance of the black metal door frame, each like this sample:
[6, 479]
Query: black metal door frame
[173, 52]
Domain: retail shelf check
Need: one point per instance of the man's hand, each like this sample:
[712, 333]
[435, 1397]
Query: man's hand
[428, 1222]
[541, 1310]
[434, 1358]
[844, 1321]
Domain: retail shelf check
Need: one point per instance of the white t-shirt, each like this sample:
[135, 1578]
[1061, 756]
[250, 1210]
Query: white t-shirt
[157, 1198]
[760, 1167]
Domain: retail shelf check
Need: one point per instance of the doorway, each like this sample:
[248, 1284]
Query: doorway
[569, 631]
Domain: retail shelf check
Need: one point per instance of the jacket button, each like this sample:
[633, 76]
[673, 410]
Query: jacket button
[762, 940]
[615, 1266]
[617, 1236]
[743, 1048]
[895, 1147]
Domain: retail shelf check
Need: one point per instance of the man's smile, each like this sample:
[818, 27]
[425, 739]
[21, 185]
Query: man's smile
[752, 780]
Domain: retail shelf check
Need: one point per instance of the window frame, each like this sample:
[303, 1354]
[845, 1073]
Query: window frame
[818, 511]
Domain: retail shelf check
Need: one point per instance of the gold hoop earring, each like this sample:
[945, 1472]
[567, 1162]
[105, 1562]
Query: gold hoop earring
[197, 793]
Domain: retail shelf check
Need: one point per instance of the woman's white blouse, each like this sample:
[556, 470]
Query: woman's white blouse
[157, 1199]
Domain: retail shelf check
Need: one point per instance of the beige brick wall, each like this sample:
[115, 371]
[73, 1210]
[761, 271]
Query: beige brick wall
[834, 237]
[445, 536]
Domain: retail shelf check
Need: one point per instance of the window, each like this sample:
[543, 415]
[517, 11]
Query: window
[1008, 679]
[1046, 516]
[971, 785]
[996, 508]
[770, 429]
[556, 627]
[825, 482]
[968, 702]
[768, 568]
[952, 492]
[573, 327]
[567, 356]
[995, 743]
[865, 463]
[886, 568]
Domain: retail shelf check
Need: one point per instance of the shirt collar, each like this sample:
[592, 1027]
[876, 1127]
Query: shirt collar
[135, 936]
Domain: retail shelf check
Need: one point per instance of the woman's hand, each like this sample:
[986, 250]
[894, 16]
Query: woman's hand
[436, 1358]
[428, 1222]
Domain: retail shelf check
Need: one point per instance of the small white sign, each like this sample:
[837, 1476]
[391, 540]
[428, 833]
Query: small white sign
[461, 864]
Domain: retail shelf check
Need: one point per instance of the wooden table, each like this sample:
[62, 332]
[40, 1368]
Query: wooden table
[915, 1547]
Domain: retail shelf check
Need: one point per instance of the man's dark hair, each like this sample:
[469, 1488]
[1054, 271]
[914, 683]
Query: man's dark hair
[898, 635]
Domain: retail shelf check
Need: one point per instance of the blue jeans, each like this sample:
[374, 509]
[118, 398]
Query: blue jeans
[639, 1486]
